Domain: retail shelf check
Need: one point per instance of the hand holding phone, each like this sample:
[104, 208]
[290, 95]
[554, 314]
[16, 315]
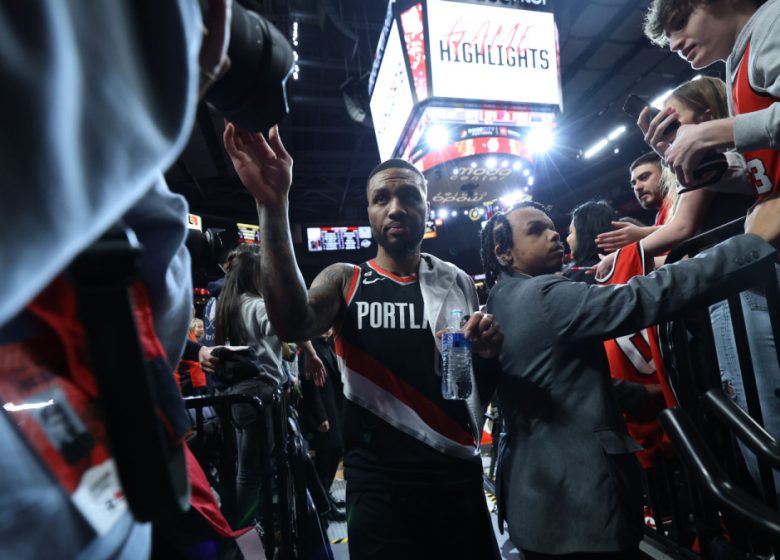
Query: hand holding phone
[634, 105]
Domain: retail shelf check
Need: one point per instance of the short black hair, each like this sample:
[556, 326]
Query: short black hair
[498, 231]
[396, 163]
[648, 157]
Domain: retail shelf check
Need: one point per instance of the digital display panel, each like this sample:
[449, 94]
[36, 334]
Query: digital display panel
[473, 48]
[194, 222]
[345, 238]
[391, 100]
[248, 233]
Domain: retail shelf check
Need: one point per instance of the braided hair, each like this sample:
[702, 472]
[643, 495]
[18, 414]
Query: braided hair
[496, 236]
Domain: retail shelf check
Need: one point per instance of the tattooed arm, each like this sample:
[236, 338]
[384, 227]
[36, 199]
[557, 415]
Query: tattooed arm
[265, 169]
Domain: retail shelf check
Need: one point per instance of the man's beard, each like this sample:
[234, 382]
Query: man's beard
[399, 247]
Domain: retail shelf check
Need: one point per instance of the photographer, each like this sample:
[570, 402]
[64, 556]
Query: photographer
[101, 100]
[84, 144]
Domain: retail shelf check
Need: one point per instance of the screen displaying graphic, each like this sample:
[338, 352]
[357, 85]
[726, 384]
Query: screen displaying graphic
[414, 37]
[391, 100]
[473, 48]
[194, 222]
[346, 238]
[248, 233]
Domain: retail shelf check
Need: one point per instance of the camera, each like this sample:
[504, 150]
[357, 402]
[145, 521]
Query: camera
[252, 93]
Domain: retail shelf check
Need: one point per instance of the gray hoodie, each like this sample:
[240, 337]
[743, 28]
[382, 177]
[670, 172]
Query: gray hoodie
[760, 129]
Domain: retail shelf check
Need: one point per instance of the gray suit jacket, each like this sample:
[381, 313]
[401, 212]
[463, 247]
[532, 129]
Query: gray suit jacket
[570, 479]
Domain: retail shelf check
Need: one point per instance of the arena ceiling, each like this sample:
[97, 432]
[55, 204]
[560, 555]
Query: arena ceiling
[604, 57]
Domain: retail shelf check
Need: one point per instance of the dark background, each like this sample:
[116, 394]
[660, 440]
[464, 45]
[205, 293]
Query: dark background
[604, 57]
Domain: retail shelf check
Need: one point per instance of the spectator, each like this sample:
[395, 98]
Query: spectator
[587, 221]
[744, 33]
[241, 320]
[693, 102]
[196, 329]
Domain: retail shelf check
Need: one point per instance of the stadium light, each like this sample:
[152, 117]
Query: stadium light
[438, 136]
[540, 139]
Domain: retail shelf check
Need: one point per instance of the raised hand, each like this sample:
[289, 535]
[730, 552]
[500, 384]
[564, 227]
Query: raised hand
[265, 168]
[623, 234]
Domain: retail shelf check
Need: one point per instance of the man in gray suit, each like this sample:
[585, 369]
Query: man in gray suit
[570, 481]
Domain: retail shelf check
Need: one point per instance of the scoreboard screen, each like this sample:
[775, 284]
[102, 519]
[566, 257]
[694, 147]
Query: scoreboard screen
[342, 238]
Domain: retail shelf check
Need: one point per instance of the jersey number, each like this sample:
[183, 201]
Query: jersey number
[636, 347]
[757, 176]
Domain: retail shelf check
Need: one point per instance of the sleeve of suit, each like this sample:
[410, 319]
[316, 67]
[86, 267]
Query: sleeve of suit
[577, 311]
[629, 395]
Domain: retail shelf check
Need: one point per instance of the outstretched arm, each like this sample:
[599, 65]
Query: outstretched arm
[623, 234]
[265, 169]
[683, 225]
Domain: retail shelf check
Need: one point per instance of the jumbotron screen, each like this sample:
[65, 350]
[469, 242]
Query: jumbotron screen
[469, 93]
[344, 238]
[248, 234]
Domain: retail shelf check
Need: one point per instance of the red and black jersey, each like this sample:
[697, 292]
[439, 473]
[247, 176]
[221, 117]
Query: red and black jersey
[763, 165]
[399, 430]
[637, 358]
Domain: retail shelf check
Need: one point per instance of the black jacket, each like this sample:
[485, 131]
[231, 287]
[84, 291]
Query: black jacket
[323, 403]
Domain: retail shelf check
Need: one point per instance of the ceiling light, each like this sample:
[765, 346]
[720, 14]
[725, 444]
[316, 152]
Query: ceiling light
[615, 133]
[595, 148]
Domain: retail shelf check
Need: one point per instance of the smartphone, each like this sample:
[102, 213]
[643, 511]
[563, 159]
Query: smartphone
[633, 106]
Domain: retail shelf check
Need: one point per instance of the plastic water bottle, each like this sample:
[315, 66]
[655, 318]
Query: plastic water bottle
[456, 359]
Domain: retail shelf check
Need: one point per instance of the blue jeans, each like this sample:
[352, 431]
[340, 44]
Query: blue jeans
[763, 356]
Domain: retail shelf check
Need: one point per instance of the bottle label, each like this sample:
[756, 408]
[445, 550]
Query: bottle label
[455, 340]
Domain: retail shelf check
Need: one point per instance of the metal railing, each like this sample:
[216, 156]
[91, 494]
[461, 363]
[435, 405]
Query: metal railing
[716, 502]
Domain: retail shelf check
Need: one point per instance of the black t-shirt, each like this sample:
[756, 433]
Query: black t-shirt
[399, 431]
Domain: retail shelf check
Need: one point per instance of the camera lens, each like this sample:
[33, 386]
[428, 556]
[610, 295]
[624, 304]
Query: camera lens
[252, 93]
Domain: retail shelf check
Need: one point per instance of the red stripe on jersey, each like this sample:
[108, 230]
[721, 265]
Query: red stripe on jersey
[763, 165]
[352, 285]
[400, 279]
[363, 364]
